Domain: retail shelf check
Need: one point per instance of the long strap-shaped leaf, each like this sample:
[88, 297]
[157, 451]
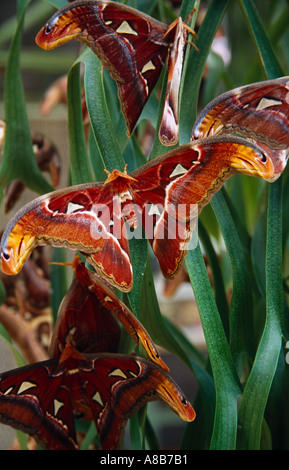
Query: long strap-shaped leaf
[225, 377]
[152, 319]
[267, 55]
[80, 168]
[241, 306]
[18, 161]
[228, 388]
[258, 385]
[99, 113]
[218, 281]
[257, 389]
[194, 67]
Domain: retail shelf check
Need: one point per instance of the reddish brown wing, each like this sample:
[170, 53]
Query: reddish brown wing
[131, 45]
[164, 193]
[85, 218]
[34, 400]
[87, 319]
[108, 388]
[172, 189]
[84, 322]
[120, 386]
[258, 111]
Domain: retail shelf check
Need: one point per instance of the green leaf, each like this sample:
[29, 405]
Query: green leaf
[101, 123]
[18, 160]
[198, 433]
[79, 160]
[18, 357]
[241, 307]
[219, 287]
[195, 67]
[22, 439]
[228, 388]
[267, 55]
[151, 436]
[151, 317]
[137, 426]
[257, 389]
[90, 437]
[2, 293]
[59, 281]
[56, 3]
[259, 251]
[139, 257]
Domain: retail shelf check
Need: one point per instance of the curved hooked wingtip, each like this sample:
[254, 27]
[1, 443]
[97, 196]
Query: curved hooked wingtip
[15, 251]
[61, 28]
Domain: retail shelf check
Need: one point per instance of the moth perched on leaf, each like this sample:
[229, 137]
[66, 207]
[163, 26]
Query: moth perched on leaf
[161, 197]
[82, 379]
[132, 46]
[40, 399]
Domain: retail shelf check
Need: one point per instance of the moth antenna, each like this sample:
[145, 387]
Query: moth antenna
[60, 263]
[113, 175]
[74, 263]
[190, 30]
